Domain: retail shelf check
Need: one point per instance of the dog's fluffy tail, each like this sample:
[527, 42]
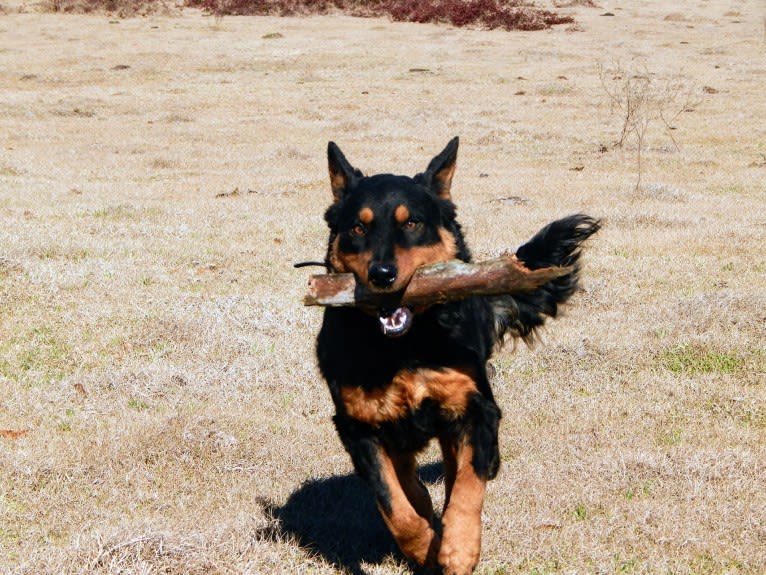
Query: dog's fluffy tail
[557, 244]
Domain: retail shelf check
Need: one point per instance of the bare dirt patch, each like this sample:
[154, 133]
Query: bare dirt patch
[161, 410]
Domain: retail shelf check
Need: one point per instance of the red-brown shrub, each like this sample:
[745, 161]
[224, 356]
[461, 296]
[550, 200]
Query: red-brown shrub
[506, 14]
[488, 14]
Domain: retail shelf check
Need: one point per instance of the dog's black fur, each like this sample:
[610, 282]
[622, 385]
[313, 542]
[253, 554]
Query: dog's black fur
[396, 388]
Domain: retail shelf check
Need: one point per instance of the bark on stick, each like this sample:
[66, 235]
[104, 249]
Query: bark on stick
[435, 283]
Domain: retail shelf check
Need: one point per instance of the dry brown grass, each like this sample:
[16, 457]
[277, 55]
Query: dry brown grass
[155, 353]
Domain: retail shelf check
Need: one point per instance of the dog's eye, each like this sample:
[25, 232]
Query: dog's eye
[358, 230]
[412, 225]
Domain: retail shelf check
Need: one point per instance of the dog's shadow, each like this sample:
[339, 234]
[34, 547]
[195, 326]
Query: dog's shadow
[336, 518]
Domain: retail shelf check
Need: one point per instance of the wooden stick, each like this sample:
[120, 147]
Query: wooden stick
[435, 283]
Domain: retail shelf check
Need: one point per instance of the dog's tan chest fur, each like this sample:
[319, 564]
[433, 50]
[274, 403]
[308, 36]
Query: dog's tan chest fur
[450, 388]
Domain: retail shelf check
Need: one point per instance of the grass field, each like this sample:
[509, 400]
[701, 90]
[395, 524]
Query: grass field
[160, 407]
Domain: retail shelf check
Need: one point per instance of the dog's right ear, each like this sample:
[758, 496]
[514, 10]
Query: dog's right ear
[343, 175]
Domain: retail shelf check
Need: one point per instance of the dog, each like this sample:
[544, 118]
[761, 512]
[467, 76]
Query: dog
[400, 377]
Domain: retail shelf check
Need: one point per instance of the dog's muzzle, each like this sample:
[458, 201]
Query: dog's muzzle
[382, 275]
[395, 322]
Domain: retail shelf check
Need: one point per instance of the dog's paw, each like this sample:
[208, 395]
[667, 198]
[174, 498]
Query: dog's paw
[457, 560]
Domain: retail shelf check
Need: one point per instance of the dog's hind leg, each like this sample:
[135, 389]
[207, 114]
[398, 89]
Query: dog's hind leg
[449, 462]
[413, 488]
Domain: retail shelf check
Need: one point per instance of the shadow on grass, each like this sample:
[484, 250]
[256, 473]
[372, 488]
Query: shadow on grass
[336, 518]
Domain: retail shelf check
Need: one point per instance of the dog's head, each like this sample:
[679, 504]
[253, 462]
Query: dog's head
[383, 227]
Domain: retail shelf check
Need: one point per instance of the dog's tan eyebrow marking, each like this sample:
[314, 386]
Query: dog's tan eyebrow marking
[366, 215]
[401, 213]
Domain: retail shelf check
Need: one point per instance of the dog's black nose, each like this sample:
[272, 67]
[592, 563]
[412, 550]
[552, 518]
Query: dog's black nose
[382, 275]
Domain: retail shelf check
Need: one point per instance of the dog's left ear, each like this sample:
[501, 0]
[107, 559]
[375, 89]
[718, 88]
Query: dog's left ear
[439, 173]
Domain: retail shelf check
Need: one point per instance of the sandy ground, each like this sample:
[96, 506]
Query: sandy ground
[159, 176]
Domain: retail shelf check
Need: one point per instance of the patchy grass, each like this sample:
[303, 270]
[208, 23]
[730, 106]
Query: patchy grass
[691, 359]
[38, 356]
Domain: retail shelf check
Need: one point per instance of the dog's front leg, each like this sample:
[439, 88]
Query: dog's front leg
[471, 458]
[461, 538]
[406, 509]
[402, 500]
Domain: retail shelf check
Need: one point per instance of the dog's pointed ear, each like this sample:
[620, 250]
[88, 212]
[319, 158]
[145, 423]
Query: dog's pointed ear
[343, 175]
[439, 173]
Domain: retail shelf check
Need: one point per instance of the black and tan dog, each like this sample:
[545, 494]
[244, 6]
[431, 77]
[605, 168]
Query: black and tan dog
[400, 377]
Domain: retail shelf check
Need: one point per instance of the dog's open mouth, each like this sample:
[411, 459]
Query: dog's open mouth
[395, 322]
